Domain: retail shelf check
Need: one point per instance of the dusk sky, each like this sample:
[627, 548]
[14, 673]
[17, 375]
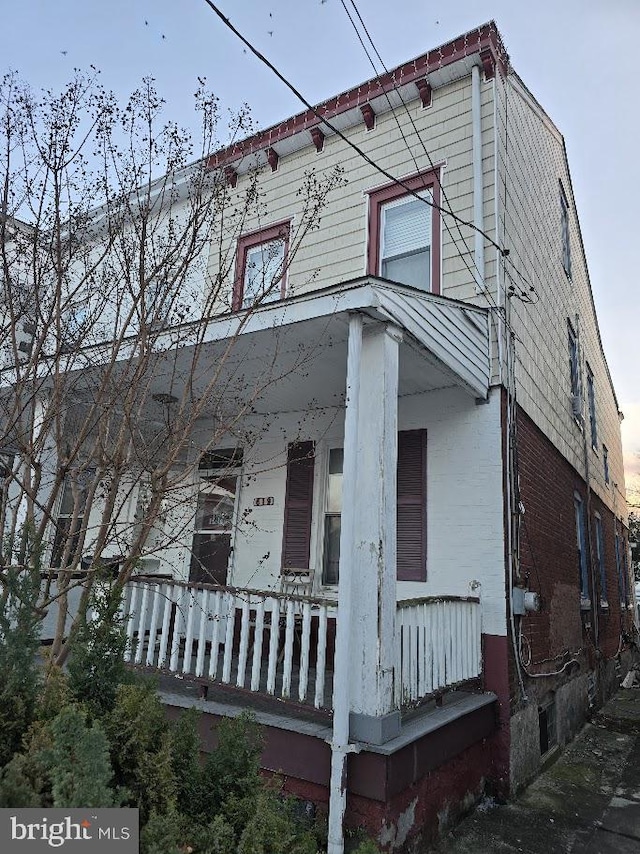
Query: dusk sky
[576, 56]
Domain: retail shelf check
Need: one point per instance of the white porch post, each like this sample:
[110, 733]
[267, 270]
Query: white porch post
[373, 568]
[363, 676]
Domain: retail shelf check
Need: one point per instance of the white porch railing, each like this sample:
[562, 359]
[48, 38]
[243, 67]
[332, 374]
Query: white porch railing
[438, 645]
[283, 644]
[251, 639]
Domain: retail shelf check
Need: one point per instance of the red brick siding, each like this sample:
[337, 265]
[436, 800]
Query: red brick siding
[549, 557]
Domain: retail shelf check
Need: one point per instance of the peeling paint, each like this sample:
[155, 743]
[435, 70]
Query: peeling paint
[395, 835]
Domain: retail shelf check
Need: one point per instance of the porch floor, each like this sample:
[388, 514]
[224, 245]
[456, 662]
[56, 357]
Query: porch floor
[186, 691]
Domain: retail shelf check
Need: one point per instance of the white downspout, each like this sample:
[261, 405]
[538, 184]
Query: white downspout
[478, 188]
[341, 702]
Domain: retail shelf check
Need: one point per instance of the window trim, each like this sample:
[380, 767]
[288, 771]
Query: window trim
[277, 231]
[428, 180]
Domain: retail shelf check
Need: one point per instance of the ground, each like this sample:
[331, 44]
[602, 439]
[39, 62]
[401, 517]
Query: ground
[586, 802]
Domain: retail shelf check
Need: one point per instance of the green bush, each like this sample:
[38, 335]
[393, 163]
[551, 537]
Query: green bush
[96, 661]
[78, 762]
[19, 644]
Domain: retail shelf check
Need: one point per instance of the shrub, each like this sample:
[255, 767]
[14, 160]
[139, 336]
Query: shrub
[96, 661]
[19, 644]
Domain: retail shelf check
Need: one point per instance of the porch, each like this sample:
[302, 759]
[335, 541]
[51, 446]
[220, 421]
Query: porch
[283, 645]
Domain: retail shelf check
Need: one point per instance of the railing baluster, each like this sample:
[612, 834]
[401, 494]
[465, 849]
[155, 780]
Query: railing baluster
[177, 626]
[153, 627]
[288, 651]
[131, 616]
[215, 634]
[304, 652]
[188, 641]
[202, 633]
[228, 638]
[141, 623]
[257, 647]
[274, 643]
[321, 656]
[244, 643]
[166, 622]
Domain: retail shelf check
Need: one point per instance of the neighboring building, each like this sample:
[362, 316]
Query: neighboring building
[430, 516]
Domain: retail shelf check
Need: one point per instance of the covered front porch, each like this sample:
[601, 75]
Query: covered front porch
[334, 489]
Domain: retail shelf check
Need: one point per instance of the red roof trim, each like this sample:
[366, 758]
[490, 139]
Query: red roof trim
[485, 38]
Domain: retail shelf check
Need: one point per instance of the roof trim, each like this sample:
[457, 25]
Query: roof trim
[485, 39]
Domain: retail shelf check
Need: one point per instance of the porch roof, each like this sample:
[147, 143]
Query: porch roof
[291, 355]
[448, 339]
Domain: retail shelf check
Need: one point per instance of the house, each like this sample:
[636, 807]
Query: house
[415, 536]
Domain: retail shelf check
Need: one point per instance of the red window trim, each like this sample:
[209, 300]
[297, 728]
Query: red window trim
[429, 180]
[249, 241]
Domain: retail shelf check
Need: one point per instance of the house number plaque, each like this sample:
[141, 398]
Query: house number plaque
[263, 502]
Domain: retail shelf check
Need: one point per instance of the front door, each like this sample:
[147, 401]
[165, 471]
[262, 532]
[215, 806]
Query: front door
[215, 514]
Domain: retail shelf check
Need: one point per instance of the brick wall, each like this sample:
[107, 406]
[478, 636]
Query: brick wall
[550, 564]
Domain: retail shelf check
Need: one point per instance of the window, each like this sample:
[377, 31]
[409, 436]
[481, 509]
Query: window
[156, 302]
[215, 515]
[411, 530]
[73, 322]
[605, 464]
[332, 516]
[547, 727]
[404, 233]
[68, 525]
[591, 395]
[261, 264]
[564, 231]
[601, 564]
[583, 557]
[621, 567]
[576, 397]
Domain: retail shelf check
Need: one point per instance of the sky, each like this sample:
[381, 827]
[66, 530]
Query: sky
[578, 57]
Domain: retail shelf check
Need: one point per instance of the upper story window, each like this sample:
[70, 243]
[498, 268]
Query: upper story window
[591, 395]
[564, 231]
[605, 464]
[261, 265]
[574, 371]
[404, 232]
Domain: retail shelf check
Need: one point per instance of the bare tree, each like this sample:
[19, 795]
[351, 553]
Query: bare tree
[118, 248]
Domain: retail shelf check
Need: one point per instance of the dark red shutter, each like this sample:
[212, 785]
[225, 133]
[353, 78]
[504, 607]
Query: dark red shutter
[412, 506]
[297, 505]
